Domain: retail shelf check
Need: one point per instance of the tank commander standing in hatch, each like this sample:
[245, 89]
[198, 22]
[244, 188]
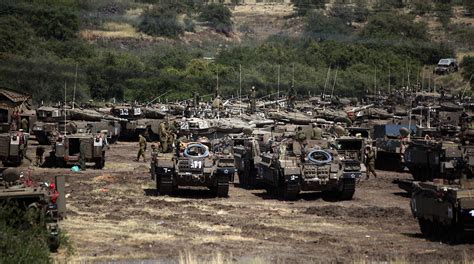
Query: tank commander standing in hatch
[253, 101]
[316, 133]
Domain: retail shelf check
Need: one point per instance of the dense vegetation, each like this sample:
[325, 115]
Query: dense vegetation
[42, 52]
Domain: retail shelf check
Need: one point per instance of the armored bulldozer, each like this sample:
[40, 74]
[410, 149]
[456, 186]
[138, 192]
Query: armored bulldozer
[289, 169]
[194, 164]
[12, 148]
[427, 160]
[39, 203]
[66, 150]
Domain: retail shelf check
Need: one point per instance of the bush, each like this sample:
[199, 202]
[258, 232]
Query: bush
[159, 22]
[321, 27]
[392, 27]
[218, 16]
[421, 7]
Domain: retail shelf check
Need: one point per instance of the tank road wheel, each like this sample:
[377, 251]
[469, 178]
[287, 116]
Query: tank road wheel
[164, 185]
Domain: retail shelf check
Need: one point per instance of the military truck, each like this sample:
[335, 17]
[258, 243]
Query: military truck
[428, 159]
[445, 208]
[66, 150]
[194, 164]
[39, 202]
[12, 146]
[289, 169]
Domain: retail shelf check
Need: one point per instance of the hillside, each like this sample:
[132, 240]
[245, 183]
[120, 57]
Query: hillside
[131, 50]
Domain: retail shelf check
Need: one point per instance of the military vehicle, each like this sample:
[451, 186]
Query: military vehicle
[352, 149]
[288, 169]
[247, 152]
[39, 202]
[12, 146]
[66, 150]
[428, 159]
[46, 124]
[446, 66]
[445, 207]
[390, 146]
[195, 164]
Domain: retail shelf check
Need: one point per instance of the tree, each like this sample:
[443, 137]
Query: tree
[421, 7]
[161, 22]
[322, 27]
[15, 35]
[217, 16]
[394, 27]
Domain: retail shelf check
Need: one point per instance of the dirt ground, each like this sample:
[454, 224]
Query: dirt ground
[115, 215]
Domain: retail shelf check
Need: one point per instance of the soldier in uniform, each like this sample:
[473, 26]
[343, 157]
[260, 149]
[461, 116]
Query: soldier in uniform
[370, 161]
[142, 146]
[316, 133]
[24, 125]
[164, 136]
[154, 156]
[253, 102]
[197, 99]
[217, 104]
[301, 138]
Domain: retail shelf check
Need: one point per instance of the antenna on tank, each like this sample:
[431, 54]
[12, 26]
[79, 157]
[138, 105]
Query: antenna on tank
[65, 116]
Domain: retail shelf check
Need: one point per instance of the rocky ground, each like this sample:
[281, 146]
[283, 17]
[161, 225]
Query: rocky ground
[115, 215]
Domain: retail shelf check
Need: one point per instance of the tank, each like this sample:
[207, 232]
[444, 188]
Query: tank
[202, 163]
[288, 169]
[427, 160]
[66, 150]
[12, 146]
[38, 201]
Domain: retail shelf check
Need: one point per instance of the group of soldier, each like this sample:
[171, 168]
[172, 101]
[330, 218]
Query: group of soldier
[167, 132]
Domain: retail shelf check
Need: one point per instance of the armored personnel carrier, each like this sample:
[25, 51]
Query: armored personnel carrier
[427, 160]
[351, 149]
[39, 202]
[289, 169]
[195, 164]
[66, 150]
[12, 146]
[445, 208]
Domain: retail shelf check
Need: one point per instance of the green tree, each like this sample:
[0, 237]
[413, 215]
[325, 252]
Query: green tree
[319, 26]
[217, 16]
[394, 27]
[160, 22]
[15, 35]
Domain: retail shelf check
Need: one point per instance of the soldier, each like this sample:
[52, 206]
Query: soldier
[154, 156]
[164, 136]
[370, 161]
[39, 155]
[82, 156]
[253, 103]
[316, 133]
[24, 145]
[141, 151]
[24, 125]
[301, 137]
[217, 103]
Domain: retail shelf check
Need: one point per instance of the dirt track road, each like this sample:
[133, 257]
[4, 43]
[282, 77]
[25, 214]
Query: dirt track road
[113, 214]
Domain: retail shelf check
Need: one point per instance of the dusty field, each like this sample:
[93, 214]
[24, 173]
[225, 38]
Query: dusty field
[114, 215]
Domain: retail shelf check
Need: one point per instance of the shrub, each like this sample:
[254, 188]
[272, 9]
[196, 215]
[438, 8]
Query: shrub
[218, 16]
[160, 22]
